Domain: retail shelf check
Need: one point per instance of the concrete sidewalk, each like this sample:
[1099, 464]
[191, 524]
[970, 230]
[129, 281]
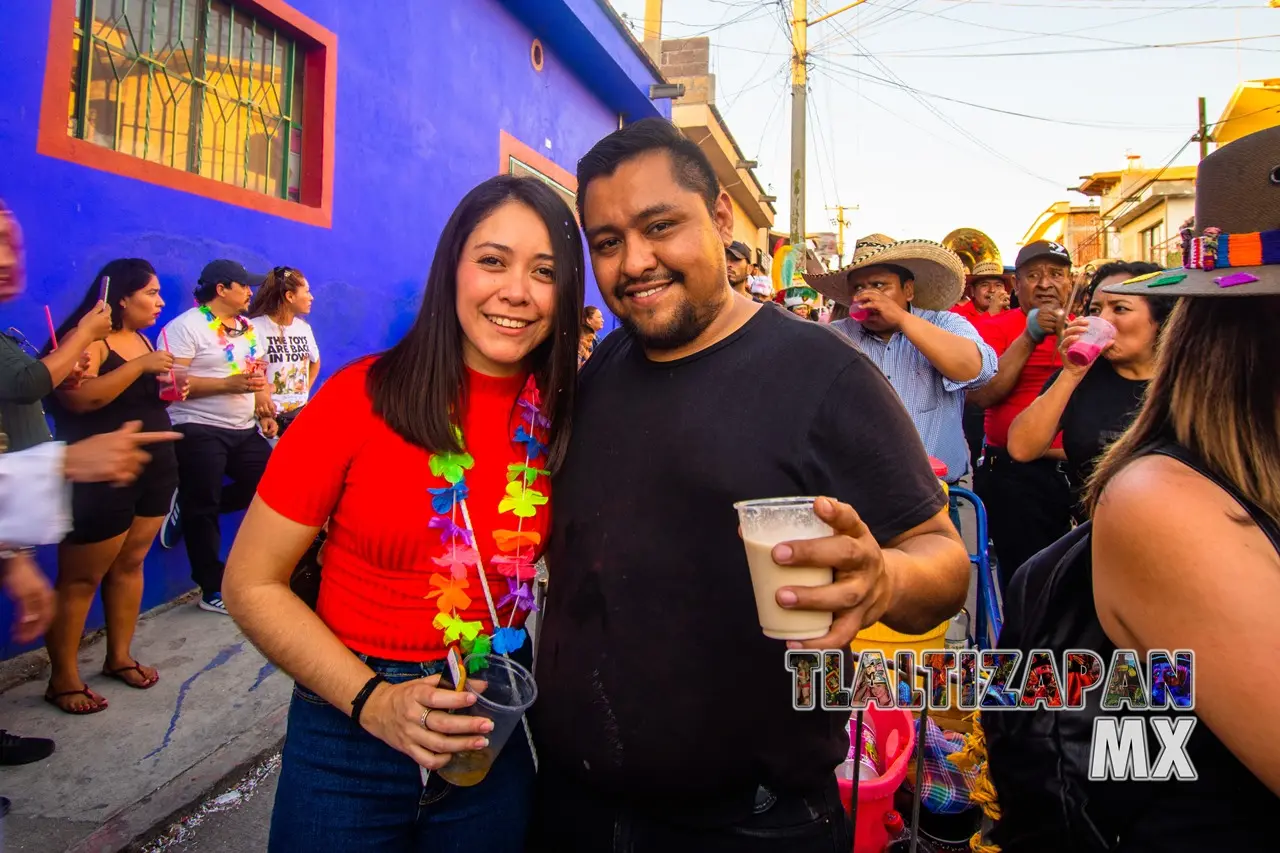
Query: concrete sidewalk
[117, 775]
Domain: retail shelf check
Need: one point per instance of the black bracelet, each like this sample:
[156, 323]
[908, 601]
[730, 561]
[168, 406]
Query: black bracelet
[357, 704]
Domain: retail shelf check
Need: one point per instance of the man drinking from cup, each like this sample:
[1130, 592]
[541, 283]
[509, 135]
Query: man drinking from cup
[665, 712]
[901, 290]
[1028, 503]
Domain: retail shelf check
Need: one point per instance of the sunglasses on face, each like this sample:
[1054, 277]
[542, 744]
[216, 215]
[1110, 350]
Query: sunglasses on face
[21, 340]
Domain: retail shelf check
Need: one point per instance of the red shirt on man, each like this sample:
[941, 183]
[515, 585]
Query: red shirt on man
[1001, 331]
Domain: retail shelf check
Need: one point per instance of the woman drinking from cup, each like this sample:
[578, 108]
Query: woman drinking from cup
[112, 527]
[1092, 399]
[1182, 554]
[430, 462]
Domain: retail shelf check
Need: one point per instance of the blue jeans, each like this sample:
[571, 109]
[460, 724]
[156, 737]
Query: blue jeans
[343, 790]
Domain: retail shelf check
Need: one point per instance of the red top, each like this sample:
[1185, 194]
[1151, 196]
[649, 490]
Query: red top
[341, 462]
[967, 311]
[1001, 331]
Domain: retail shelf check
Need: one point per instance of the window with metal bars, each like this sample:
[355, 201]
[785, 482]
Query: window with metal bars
[197, 85]
[521, 169]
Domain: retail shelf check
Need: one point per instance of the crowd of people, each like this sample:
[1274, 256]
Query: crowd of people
[542, 468]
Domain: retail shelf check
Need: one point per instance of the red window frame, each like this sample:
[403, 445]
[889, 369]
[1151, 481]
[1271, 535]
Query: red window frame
[320, 98]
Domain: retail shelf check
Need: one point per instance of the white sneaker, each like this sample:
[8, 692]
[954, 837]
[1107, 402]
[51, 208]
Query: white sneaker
[212, 601]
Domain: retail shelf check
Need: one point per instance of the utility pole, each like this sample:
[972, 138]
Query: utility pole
[653, 29]
[800, 24]
[841, 224]
[1203, 135]
[799, 82]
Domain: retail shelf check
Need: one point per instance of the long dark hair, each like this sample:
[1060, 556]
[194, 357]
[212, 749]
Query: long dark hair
[418, 385]
[1161, 306]
[128, 276]
[1215, 390]
[270, 297]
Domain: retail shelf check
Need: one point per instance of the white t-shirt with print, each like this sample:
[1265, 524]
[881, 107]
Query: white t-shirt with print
[189, 336]
[289, 351]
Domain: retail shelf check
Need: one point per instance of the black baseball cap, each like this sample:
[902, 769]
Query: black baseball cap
[739, 249]
[225, 272]
[1042, 249]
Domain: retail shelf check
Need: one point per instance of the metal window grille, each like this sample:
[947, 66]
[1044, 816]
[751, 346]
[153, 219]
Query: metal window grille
[197, 85]
[519, 168]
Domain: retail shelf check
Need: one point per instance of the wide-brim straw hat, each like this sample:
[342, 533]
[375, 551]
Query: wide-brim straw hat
[1234, 249]
[989, 269]
[938, 271]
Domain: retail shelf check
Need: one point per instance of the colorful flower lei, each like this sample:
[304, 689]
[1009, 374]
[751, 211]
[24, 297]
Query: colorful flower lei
[517, 546]
[224, 340]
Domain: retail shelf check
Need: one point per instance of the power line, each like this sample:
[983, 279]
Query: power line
[946, 119]
[1201, 6]
[1205, 44]
[1070, 122]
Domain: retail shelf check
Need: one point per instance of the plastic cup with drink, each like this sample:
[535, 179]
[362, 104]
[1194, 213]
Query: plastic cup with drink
[1086, 348]
[504, 691]
[766, 523]
[173, 385]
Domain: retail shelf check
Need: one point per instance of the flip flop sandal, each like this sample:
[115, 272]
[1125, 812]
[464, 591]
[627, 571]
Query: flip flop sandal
[118, 675]
[95, 706]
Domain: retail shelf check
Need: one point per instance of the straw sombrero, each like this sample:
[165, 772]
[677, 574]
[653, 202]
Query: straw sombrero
[1234, 248]
[938, 271]
[989, 269]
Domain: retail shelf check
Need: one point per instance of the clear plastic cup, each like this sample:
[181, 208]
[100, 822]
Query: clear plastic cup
[504, 691]
[1088, 346]
[173, 383]
[765, 523]
[859, 315]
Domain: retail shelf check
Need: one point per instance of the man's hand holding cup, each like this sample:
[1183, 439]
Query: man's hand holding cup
[862, 588]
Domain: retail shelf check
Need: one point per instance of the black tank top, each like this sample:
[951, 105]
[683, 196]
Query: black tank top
[139, 402]
[1038, 760]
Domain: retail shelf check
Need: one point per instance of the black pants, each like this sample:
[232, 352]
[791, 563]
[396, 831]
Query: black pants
[1028, 507]
[568, 817]
[207, 455]
[974, 426]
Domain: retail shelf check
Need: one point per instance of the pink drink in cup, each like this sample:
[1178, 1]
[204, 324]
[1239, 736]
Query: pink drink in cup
[859, 315]
[1089, 345]
[766, 523]
[173, 384]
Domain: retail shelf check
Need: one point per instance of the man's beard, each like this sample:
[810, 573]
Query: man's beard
[689, 322]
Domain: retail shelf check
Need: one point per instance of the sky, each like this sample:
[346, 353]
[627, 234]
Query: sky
[882, 136]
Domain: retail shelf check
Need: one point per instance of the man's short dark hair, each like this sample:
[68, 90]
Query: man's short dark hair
[691, 168]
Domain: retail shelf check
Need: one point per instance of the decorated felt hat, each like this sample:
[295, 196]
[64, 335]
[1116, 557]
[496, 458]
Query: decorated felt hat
[1234, 247]
[938, 272]
[989, 269]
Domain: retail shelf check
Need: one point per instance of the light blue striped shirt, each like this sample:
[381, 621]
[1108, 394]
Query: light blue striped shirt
[935, 403]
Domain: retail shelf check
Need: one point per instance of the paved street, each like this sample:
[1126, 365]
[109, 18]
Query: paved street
[218, 708]
[236, 820]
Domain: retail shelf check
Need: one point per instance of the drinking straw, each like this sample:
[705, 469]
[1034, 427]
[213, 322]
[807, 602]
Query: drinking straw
[164, 342]
[53, 334]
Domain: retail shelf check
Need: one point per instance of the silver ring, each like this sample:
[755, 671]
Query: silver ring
[422, 721]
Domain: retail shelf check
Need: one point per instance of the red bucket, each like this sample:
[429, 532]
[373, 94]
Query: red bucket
[939, 468]
[895, 733]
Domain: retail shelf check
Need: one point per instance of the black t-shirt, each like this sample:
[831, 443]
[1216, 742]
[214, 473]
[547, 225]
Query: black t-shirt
[655, 680]
[1100, 409]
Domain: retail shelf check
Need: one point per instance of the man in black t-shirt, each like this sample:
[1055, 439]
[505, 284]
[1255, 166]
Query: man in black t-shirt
[664, 719]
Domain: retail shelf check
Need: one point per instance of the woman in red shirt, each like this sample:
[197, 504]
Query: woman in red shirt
[430, 463]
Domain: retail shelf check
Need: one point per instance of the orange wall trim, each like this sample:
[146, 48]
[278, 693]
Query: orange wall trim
[509, 146]
[318, 120]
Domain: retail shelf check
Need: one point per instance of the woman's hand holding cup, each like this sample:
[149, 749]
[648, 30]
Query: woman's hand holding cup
[414, 718]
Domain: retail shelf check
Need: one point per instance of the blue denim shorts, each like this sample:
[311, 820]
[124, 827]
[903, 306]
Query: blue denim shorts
[343, 790]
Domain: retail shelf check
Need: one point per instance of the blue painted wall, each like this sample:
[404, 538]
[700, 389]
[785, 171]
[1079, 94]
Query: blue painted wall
[423, 91]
